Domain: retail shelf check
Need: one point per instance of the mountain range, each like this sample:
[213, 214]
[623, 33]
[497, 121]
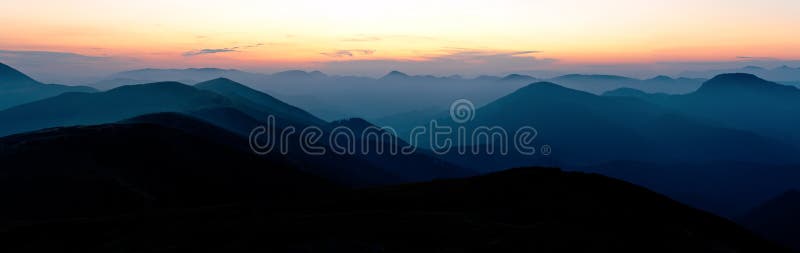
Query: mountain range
[232, 107]
[334, 97]
[739, 101]
[694, 159]
[164, 165]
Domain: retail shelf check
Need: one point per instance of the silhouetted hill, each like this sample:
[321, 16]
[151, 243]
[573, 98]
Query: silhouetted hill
[625, 92]
[726, 188]
[12, 78]
[349, 169]
[411, 167]
[781, 74]
[95, 108]
[518, 77]
[299, 74]
[17, 88]
[204, 123]
[189, 75]
[778, 219]
[232, 128]
[267, 104]
[122, 168]
[583, 128]
[739, 84]
[395, 75]
[520, 210]
[742, 101]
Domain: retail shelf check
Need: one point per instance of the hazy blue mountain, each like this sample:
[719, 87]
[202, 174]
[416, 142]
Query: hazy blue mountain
[408, 168]
[777, 219]
[394, 75]
[583, 128]
[108, 84]
[520, 210]
[602, 83]
[256, 99]
[95, 108]
[196, 74]
[518, 77]
[629, 92]
[332, 97]
[779, 74]
[17, 88]
[741, 101]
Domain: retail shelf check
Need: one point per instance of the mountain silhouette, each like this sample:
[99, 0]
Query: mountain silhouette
[742, 101]
[736, 83]
[780, 74]
[239, 109]
[726, 188]
[585, 128]
[268, 105]
[17, 88]
[531, 209]
[112, 169]
[189, 75]
[778, 219]
[411, 167]
[395, 75]
[114, 105]
[518, 77]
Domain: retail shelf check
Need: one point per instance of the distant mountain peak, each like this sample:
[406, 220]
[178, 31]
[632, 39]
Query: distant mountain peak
[395, 74]
[512, 77]
[317, 73]
[742, 82]
[661, 78]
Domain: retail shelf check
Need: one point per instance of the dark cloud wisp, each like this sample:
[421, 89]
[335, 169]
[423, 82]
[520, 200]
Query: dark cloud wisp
[210, 51]
[349, 53]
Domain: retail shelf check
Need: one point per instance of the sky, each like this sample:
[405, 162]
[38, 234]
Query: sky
[635, 37]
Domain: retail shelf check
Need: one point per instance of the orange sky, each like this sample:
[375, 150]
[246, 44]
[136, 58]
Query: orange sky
[302, 33]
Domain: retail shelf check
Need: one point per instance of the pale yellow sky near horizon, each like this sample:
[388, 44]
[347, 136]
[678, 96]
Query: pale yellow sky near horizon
[305, 33]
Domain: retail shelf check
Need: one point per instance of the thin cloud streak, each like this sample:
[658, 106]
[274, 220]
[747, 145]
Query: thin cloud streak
[349, 53]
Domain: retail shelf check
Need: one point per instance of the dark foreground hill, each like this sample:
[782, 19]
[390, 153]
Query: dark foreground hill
[81, 172]
[520, 210]
[777, 219]
[225, 104]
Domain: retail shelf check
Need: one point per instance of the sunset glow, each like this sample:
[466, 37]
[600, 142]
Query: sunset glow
[307, 34]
